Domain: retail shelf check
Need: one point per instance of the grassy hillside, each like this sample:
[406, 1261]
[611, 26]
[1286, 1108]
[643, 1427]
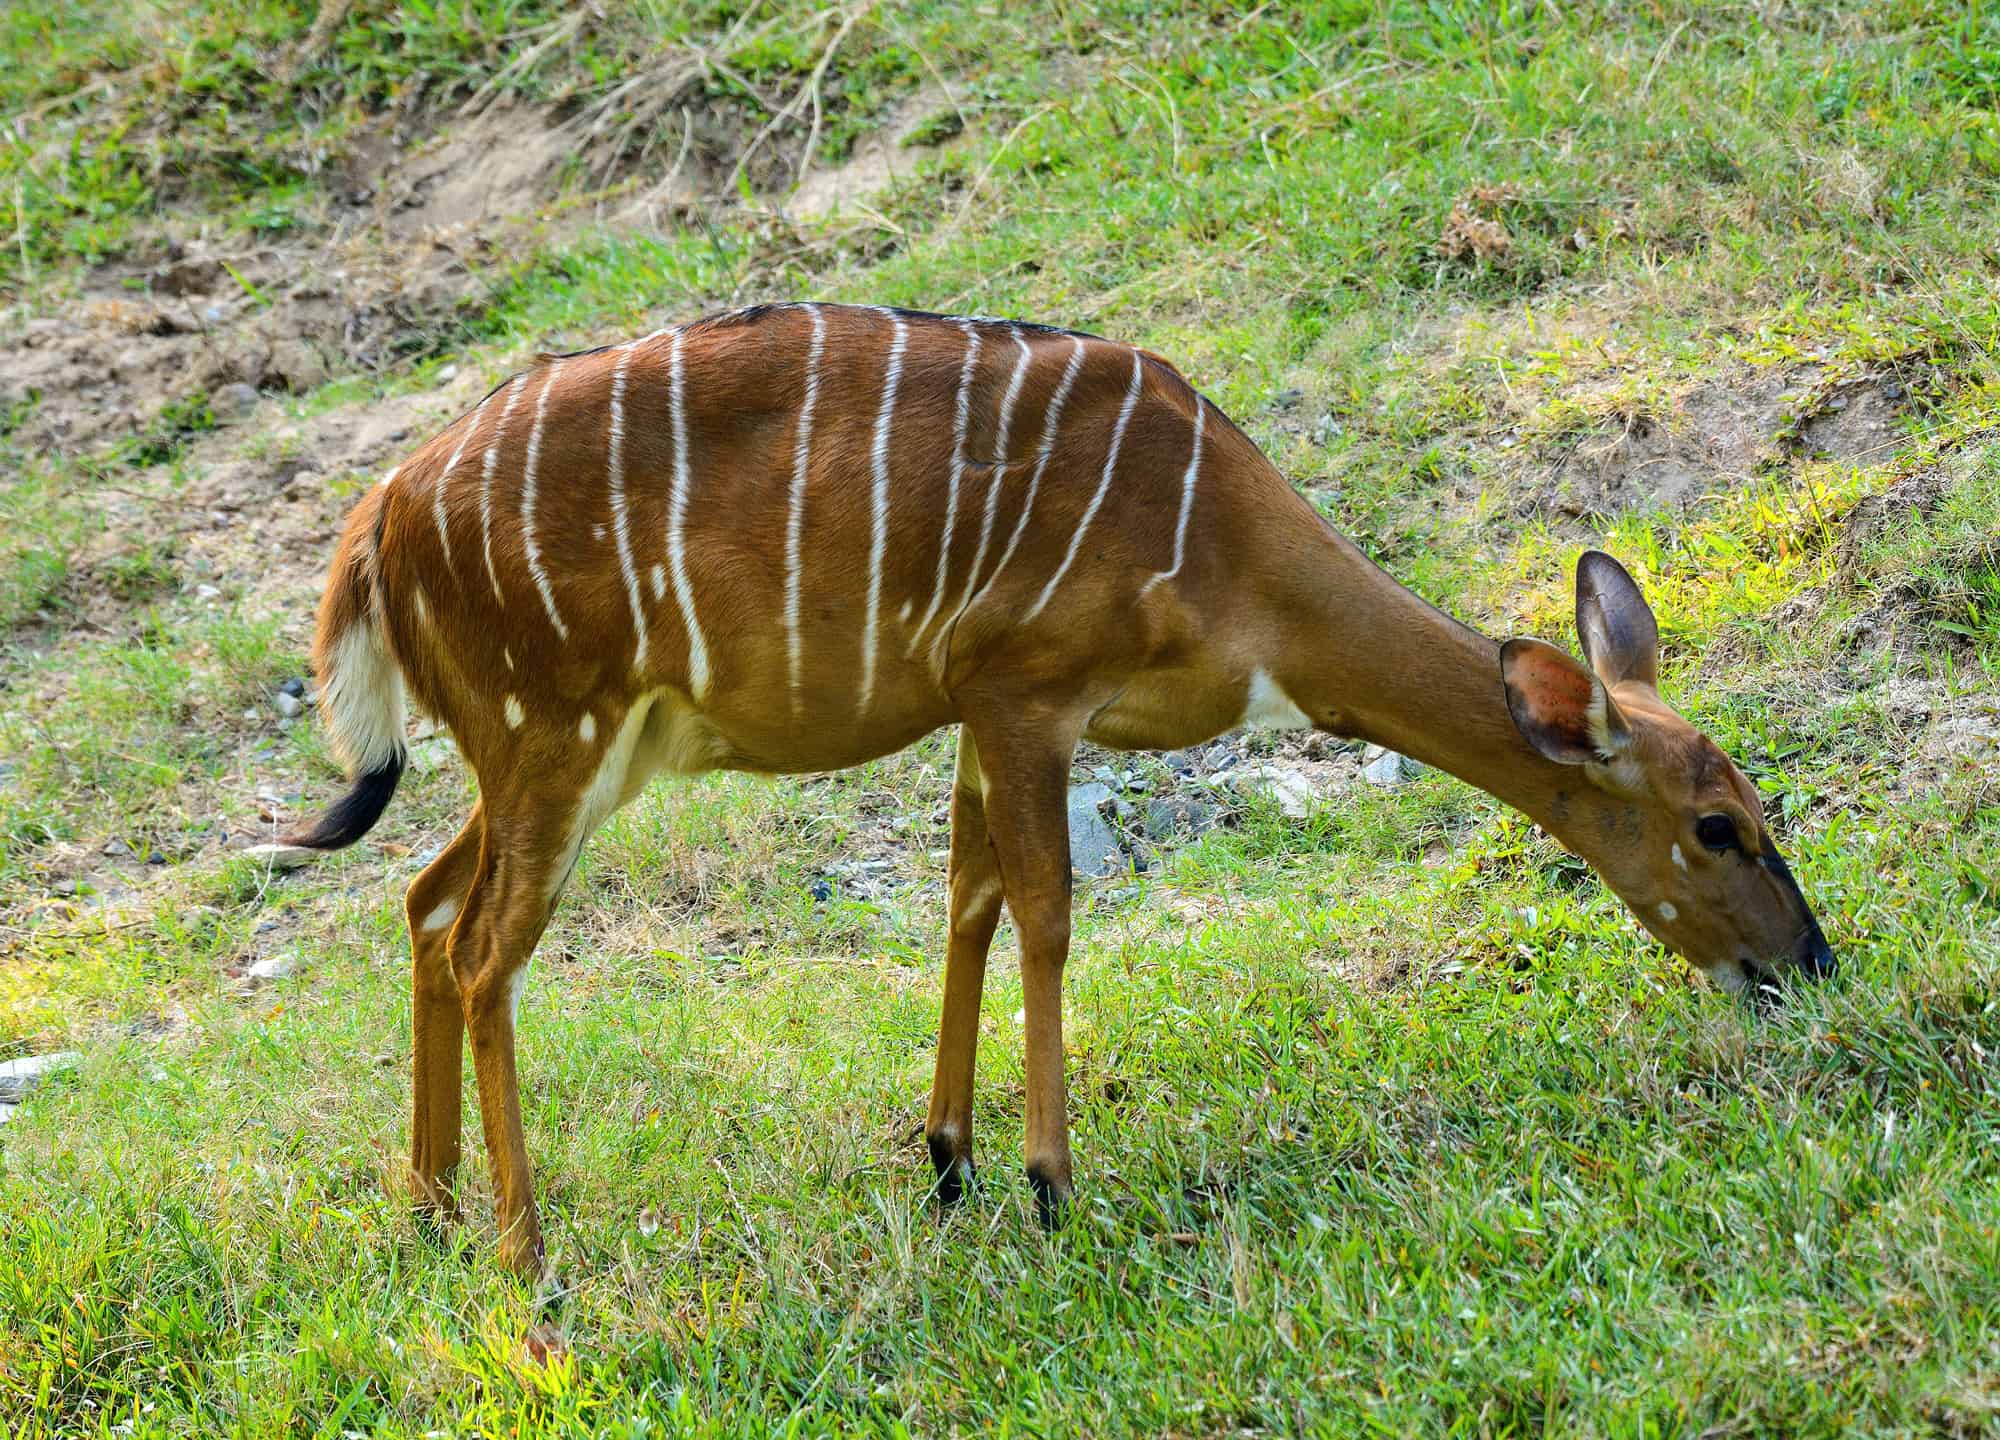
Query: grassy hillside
[1389, 1119]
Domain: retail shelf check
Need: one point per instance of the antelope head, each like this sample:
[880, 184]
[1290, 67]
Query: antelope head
[1675, 828]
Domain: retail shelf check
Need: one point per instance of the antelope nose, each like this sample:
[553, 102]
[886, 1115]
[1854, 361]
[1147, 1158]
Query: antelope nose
[1811, 955]
[1814, 957]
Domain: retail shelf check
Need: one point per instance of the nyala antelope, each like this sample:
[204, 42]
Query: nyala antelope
[798, 537]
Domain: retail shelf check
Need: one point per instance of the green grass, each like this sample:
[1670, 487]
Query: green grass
[1387, 1121]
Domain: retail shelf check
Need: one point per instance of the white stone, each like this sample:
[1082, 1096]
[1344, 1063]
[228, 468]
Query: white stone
[1293, 792]
[282, 857]
[18, 1077]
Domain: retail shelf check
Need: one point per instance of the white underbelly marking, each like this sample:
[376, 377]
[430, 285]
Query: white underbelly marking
[1269, 707]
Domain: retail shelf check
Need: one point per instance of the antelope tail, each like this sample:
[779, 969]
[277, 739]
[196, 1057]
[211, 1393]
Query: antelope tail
[360, 684]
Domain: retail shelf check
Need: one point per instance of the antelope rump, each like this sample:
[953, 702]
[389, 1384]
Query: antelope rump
[798, 537]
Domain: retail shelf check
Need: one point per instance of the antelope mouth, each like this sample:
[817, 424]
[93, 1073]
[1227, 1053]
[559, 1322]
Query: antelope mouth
[1760, 983]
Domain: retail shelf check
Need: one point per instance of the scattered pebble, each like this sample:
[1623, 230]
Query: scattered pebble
[1384, 767]
[232, 401]
[290, 707]
[18, 1077]
[1167, 819]
[273, 967]
[1293, 793]
[282, 857]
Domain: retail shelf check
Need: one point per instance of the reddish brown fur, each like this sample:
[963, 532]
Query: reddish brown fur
[1117, 656]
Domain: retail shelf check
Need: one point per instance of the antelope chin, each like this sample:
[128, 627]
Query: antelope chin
[1743, 977]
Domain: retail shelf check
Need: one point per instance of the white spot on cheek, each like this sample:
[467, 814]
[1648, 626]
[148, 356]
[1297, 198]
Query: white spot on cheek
[442, 916]
[587, 727]
[1680, 859]
[1667, 911]
[515, 714]
[909, 608]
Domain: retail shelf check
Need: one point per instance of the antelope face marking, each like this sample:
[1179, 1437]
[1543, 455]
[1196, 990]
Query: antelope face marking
[1673, 826]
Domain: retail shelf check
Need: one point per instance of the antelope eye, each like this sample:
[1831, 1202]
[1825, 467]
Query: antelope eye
[1717, 832]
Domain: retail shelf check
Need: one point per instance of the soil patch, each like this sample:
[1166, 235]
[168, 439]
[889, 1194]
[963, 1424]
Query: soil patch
[1719, 434]
[186, 330]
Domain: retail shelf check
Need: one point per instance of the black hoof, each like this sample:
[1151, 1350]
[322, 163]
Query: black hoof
[954, 1172]
[1051, 1200]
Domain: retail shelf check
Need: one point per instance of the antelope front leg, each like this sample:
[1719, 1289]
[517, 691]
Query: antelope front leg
[1026, 774]
[437, 1026]
[975, 911]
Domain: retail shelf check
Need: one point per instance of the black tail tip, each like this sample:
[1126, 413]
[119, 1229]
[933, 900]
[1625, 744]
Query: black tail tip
[355, 813]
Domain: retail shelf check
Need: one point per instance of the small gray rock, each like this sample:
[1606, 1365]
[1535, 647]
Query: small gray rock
[232, 401]
[18, 1077]
[1093, 844]
[289, 706]
[1384, 767]
[7, 1113]
[1170, 818]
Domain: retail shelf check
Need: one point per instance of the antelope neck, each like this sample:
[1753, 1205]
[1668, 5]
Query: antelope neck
[1376, 661]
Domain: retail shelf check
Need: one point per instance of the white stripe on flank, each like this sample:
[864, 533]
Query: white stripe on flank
[956, 473]
[1103, 488]
[879, 541]
[1187, 502]
[486, 484]
[437, 491]
[677, 519]
[795, 517]
[528, 548]
[1048, 448]
[614, 464]
[999, 464]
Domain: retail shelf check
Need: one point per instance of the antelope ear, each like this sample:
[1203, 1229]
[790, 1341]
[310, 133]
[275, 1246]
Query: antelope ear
[1559, 707]
[1620, 637]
